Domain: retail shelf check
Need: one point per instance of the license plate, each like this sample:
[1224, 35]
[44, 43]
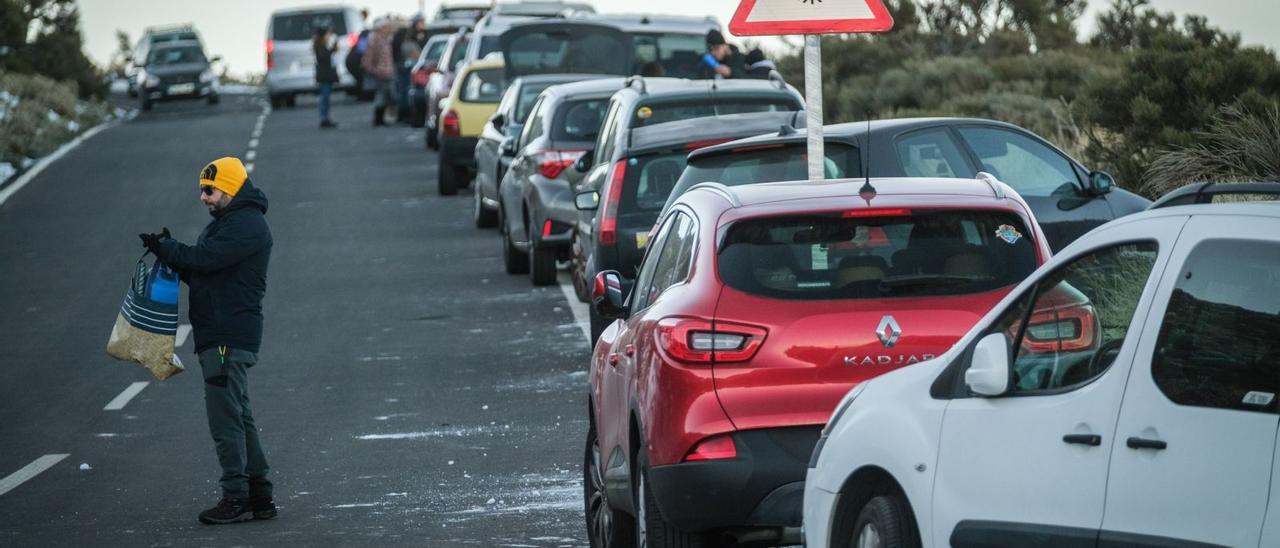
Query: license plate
[181, 88]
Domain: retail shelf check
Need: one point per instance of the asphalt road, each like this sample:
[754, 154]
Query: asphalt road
[409, 392]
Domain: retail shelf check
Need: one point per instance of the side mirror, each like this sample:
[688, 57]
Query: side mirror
[1101, 182]
[498, 120]
[606, 295]
[584, 162]
[989, 373]
[508, 146]
[587, 201]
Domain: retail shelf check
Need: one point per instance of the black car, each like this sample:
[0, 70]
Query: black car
[176, 70]
[613, 228]
[1066, 197]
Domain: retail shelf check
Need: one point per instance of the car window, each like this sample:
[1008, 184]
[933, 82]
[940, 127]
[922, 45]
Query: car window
[678, 54]
[459, 52]
[1219, 344]
[483, 86]
[932, 153]
[176, 56]
[302, 26]
[434, 49]
[918, 254]
[1027, 165]
[769, 164]
[1079, 319]
[529, 93]
[649, 180]
[608, 135]
[507, 104]
[579, 120]
[644, 279]
[533, 129]
[662, 112]
[673, 261]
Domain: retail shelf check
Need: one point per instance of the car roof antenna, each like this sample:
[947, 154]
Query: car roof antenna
[867, 192]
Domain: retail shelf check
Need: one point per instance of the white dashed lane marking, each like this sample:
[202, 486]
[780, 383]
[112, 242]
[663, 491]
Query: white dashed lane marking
[578, 308]
[9, 482]
[123, 399]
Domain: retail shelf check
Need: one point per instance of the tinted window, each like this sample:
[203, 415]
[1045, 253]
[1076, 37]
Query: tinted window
[1080, 317]
[528, 94]
[1027, 165]
[489, 44]
[461, 13]
[1219, 345]
[483, 86]
[176, 56]
[925, 253]
[459, 52]
[644, 279]
[435, 48]
[579, 120]
[660, 113]
[649, 180]
[762, 165]
[173, 37]
[301, 26]
[566, 52]
[533, 129]
[679, 55]
[673, 260]
[932, 153]
[608, 135]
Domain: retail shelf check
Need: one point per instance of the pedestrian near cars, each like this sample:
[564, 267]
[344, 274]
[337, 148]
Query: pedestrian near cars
[226, 274]
[757, 66]
[405, 47]
[323, 45]
[714, 60]
[379, 68]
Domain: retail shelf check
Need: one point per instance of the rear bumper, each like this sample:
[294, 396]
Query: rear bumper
[459, 151]
[762, 487]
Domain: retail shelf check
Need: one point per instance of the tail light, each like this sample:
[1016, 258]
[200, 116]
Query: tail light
[1061, 330]
[714, 447]
[609, 211]
[271, 48]
[451, 126]
[353, 38]
[692, 340]
[551, 163]
[880, 212]
[695, 145]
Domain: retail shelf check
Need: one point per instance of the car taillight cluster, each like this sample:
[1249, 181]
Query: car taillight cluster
[1061, 330]
[551, 163]
[697, 341]
[451, 126]
[609, 210]
[271, 48]
[715, 447]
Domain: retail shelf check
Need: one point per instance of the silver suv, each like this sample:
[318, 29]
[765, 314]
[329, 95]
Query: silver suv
[291, 63]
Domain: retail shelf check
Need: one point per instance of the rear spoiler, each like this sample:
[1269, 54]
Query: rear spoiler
[1203, 193]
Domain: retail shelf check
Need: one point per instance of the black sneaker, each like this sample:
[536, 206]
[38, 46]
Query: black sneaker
[263, 508]
[327, 124]
[227, 511]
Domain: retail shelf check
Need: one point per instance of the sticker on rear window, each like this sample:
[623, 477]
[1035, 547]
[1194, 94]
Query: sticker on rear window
[1008, 233]
[642, 239]
[644, 113]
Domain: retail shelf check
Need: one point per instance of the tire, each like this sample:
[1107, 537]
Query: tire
[276, 101]
[484, 218]
[513, 260]
[606, 527]
[446, 178]
[290, 100]
[884, 522]
[542, 263]
[652, 529]
[433, 141]
[598, 324]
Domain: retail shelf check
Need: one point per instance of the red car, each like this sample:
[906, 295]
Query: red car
[756, 308]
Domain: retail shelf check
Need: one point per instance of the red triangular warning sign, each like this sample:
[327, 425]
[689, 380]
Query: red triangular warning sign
[763, 17]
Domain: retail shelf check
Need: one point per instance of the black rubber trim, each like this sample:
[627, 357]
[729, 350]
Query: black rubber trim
[1117, 539]
[992, 534]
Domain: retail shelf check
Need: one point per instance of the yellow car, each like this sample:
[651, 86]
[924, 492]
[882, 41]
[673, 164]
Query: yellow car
[473, 99]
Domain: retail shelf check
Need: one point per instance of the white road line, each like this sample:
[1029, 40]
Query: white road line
[124, 397]
[30, 471]
[257, 132]
[253, 143]
[250, 155]
[248, 167]
[39, 166]
[183, 331]
[578, 308]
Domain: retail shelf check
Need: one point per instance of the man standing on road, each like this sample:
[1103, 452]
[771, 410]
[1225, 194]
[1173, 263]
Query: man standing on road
[226, 272]
[379, 68]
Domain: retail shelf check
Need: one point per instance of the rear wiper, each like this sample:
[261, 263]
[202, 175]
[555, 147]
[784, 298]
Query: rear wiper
[921, 280]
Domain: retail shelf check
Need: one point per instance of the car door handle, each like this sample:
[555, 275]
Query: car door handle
[1144, 443]
[1092, 440]
[629, 350]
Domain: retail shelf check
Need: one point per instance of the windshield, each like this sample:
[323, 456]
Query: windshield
[302, 26]
[906, 253]
[674, 55]
[767, 164]
[483, 86]
[180, 36]
[176, 56]
[661, 113]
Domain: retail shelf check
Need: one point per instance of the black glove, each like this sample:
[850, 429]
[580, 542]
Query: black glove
[151, 241]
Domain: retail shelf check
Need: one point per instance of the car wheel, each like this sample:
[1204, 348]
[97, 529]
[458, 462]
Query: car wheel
[514, 260]
[446, 182]
[276, 102]
[433, 141]
[484, 217]
[290, 100]
[542, 263]
[884, 522]
[652, 529]
[607, 527]
[578, 270]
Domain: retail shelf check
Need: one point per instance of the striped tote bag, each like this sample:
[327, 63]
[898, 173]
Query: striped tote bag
[147, 325]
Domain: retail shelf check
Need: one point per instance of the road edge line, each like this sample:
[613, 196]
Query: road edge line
[22, 180]
[12, 481]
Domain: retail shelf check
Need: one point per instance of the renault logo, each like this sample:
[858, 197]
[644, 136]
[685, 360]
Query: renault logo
[888, 331]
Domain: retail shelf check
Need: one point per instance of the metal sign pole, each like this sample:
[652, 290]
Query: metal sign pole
[813, 105]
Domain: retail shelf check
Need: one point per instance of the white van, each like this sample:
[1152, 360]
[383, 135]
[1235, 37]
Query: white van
[291, 64]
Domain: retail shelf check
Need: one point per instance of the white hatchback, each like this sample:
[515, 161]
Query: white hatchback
[1136, 407]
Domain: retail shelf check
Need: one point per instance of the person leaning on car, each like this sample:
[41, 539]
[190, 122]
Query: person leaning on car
[226, 273]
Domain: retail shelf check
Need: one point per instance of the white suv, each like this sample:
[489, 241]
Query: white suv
[1138, 408]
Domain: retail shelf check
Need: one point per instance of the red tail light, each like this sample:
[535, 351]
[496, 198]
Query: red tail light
[703, 144]
[353, 38]
[551, 163]
[271, 48]
[609, 213]
[693, 340]
[451, 126]
[1060, 330]
[890, 212]
[714, 447]
[546, 228]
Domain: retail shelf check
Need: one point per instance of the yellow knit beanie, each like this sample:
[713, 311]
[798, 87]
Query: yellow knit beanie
[225, 174]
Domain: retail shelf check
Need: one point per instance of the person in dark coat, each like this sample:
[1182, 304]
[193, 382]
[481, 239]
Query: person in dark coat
[714, 60]
[757, 66]
[323, 45]
[226, 273]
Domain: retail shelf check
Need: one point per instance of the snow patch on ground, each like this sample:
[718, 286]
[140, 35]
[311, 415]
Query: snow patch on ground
[446, 432]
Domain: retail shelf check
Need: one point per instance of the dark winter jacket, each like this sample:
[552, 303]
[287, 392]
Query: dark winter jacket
[325, 73]
[226, 272]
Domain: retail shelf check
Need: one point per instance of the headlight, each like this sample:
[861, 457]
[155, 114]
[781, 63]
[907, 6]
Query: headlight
[152, 81]
[207, 76]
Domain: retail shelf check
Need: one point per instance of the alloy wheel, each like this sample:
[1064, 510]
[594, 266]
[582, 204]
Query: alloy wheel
[869, 536]
[599, 513]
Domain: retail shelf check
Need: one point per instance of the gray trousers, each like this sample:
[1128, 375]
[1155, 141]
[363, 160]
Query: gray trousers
[235, 434]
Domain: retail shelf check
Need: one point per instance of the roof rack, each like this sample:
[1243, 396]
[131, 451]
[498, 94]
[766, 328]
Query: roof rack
[644, 88]
[992, 182]
[777, 79]
[720, 189]
[1203, 193]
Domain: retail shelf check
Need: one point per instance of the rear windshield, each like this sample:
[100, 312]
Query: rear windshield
[579, 120]
[566, 52]
[674, 55]
[301, 26]
[766, 165]
[661, 113]
[489, 44]
[459, 52]
[648, 180]
[176, 56]
[906, 254]
[483, 86]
